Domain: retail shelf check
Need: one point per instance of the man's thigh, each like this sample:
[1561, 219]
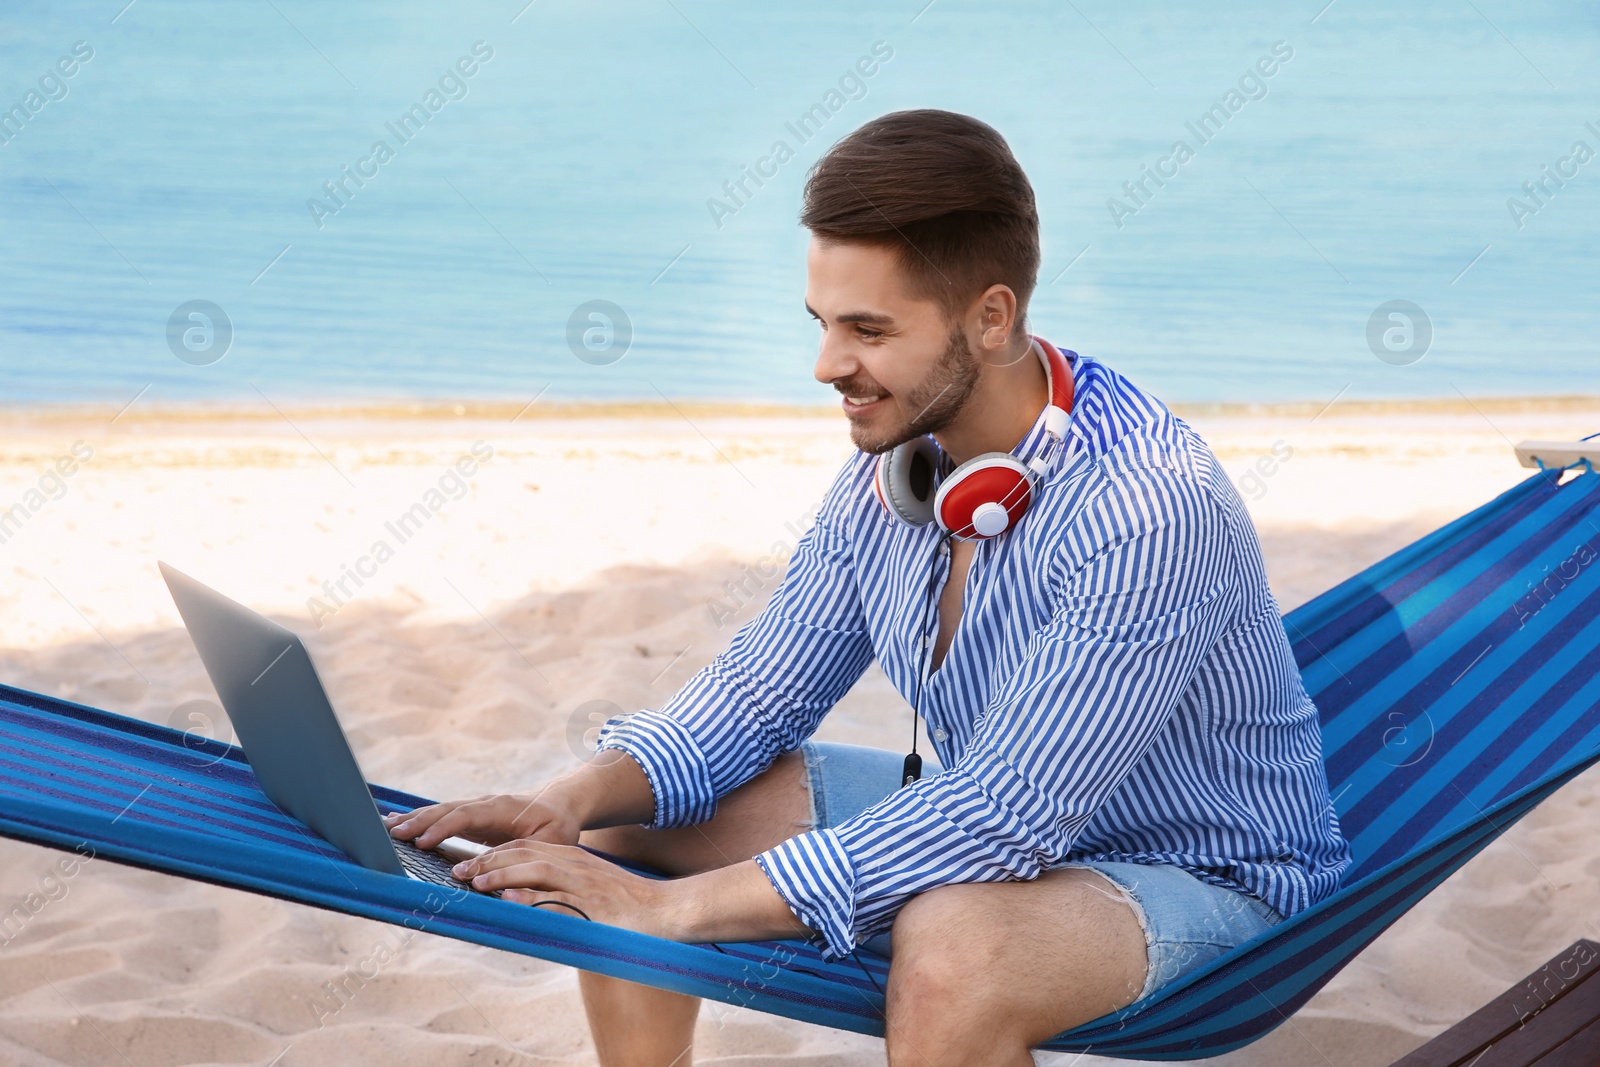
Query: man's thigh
[1039, 956]
[770, 808]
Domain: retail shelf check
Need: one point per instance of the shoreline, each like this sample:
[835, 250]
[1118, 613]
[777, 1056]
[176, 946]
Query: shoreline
[449, 409]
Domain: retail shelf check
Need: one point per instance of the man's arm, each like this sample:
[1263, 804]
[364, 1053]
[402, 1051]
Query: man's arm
[768, 691]
[1145, 588]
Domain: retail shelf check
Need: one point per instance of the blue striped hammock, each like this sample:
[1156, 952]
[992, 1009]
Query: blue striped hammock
[1458, 683]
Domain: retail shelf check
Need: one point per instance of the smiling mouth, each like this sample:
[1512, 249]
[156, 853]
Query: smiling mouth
[863, 401]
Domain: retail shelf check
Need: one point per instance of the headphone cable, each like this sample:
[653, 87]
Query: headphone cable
[912, 769]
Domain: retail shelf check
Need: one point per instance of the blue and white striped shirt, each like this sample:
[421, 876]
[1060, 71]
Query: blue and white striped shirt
[1120, 687]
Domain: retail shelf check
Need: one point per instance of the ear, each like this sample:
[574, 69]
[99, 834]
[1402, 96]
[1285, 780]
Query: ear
[995, 313]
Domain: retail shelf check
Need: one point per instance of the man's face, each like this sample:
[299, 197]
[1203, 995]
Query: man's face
[884, 345]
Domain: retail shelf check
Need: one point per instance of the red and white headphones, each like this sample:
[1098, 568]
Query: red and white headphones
[986, 495]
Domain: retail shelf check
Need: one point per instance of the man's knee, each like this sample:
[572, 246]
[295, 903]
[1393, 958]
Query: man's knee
[943, 1006]
[941, 958]
[930, 983]
[1015, 962]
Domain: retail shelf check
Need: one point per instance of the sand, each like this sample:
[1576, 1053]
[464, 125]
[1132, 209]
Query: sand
[592, 559]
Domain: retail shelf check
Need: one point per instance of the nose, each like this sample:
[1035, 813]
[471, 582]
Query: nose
[834, 360]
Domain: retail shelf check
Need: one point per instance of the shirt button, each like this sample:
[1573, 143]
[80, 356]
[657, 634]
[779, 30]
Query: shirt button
[938, 733]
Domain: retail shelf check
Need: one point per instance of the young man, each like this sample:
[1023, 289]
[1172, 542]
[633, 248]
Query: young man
[1129, 777]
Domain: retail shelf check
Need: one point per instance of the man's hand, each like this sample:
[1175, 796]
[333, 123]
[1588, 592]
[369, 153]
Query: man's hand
[490, 820]
[608, 790]
[733, 903]
[535, 871]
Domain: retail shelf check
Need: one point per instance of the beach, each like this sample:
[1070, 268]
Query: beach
[479, 583]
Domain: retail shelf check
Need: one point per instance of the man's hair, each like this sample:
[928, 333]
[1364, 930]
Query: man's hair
[941, 189]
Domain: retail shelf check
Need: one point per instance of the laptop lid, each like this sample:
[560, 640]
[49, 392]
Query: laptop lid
[285, 724]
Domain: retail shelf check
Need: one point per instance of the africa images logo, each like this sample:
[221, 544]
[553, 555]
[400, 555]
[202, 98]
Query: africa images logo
[452, 85]
[851, 85]
[1252, 85]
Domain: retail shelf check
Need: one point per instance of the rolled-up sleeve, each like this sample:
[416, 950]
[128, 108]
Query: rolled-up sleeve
[1146, 577]
[767, 692]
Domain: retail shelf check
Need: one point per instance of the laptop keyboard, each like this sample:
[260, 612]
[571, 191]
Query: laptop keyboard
[433, 867]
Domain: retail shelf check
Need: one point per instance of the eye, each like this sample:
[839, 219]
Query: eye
[868, 334]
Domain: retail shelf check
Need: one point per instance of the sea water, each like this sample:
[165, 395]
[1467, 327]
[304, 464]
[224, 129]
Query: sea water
[598, 200]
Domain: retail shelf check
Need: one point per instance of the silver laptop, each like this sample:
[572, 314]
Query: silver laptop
[290, 735]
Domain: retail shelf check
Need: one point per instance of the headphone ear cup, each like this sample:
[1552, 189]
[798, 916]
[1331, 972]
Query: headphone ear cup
[985, 496]
[905, 480]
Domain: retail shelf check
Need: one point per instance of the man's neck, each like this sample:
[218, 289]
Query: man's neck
[1003, 407]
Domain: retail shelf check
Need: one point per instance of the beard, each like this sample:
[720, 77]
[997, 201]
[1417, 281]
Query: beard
[935, 401]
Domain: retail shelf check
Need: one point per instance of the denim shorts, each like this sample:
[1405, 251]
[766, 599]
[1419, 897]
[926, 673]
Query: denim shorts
[1187, 922]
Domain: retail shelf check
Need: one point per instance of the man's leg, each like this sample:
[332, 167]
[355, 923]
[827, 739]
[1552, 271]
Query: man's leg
[638, 1025]
[981, 972]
